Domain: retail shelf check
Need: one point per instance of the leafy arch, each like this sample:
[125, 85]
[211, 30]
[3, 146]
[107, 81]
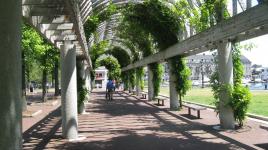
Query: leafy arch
[121, 55]
[112, 64]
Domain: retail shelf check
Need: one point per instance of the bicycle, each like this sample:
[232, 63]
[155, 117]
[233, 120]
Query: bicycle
[109, 95]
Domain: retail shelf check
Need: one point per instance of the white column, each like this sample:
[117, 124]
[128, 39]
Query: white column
[150, 84]
[10, 75]
[226, 77]
[69, 91]
[87, 76]
[173, 94]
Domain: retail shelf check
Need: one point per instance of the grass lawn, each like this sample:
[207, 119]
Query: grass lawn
[258, 105]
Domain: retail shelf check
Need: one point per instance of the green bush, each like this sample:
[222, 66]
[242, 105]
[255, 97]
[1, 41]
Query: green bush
[158, 71]
[239, 102]
[81, 91]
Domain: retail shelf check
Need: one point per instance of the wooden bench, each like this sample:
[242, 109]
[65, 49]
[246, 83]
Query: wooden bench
[159, 98]
[143, 95]
[194, 107]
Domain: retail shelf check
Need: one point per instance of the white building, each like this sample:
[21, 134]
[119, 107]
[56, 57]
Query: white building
[205, 64]
[101, 77]
[264, 74]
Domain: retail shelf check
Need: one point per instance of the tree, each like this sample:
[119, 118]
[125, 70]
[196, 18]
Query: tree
[30, 42]
[46, 55]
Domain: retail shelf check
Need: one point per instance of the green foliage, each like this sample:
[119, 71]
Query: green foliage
[239, 96]
[124, 77]
[81, 89]
[139, 38]
[237, 64]
[121, 55]
[111, 63]
[156, 18]
[140, 74]
[94, 20]
[30, 43]
[182, 72]
[96, 51]
[131, 75]
[36, 52]
[106, 13]
[208, 14]
[158, 71]
[91, 25]
[159, 26]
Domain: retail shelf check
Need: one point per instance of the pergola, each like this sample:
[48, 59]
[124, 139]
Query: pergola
[61, 23]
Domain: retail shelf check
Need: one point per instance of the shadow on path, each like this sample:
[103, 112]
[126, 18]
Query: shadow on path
[128, 123]
[40, 134]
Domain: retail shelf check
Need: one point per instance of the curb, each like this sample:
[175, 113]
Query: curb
[259, 117]
[33, 114]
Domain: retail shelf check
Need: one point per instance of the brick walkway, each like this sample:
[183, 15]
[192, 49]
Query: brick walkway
[128, 123]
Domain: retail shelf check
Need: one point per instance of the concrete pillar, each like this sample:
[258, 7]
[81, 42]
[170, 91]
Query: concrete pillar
[150, 84]
[10, 75]
[87, 77]
[173, 94]
[138, 85]
[249, 4]
[69, 91]
[226, 77]
[234, 7]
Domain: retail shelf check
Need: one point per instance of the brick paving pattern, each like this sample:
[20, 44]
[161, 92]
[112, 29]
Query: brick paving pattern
[128, 123]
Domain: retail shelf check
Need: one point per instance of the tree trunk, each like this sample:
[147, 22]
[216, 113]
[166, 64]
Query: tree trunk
[56, 75]
[44, 87]
[28, 77]
[24, 100]
[53, 78]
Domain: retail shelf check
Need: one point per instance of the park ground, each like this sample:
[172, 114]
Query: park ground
[258, 104]
[131, 123]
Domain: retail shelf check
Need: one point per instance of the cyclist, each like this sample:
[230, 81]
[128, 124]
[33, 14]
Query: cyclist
[109, 89]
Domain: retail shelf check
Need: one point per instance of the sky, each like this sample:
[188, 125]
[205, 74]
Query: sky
[259, 54]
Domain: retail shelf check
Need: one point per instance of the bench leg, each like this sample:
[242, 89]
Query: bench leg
[189, 111]
[158, 102]
[145, 96]
[163, 103]
[198, 114]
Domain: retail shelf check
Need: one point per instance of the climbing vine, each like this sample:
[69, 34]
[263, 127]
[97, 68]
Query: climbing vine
[124, 77]
[131, 76]
[81, 89]
[94, 20]
[121, 55]
[239, 96]
[110, 63]
[140, 74]
[158, 71]
[183, 84]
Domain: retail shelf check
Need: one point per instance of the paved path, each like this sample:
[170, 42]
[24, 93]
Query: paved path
[127, 123]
